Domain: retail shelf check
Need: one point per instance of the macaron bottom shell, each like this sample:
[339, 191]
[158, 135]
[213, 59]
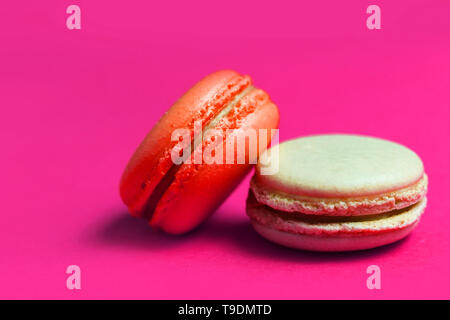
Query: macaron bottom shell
[331, 244]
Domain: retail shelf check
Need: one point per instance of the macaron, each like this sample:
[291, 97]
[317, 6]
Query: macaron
[176, 196]
[337, 193]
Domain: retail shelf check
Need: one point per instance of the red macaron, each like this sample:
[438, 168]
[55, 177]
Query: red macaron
[177, 197]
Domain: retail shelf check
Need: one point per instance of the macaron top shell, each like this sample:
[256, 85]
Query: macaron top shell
[152, 159]
[336, 166]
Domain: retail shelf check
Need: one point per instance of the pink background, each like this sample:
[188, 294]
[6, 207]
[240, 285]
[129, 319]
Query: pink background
[75, 104]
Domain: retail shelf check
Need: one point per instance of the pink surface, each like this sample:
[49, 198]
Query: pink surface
[75, 104]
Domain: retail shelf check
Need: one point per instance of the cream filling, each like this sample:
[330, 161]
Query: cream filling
[396, 219]
[198, 139]
[339, 206]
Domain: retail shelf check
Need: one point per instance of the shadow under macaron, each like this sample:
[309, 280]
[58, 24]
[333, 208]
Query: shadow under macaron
[123, 230]
[230, 232]
[246, 240]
